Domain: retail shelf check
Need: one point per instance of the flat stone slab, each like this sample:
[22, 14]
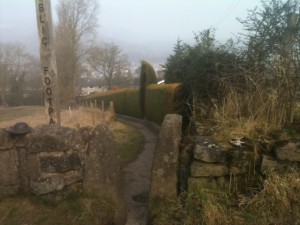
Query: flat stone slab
[49, 138]
[290, 151]
[269, 163]
[45, 185]
[209, 153]
[201, 169]
[60, 164]
[207, 182]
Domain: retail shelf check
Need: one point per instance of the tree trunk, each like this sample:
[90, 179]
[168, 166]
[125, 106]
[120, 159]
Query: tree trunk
[74, 85]
[3, 101]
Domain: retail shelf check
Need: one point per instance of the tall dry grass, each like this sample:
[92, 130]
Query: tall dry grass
[277, 203]
[254, 110]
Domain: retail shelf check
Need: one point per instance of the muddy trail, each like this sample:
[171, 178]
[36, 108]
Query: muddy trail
[137, 176]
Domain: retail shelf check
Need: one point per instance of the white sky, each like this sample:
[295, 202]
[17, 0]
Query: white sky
[136, 22]
[170, 19]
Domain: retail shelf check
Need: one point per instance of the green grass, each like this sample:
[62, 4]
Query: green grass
[11, 113]
[75, 210]
[129, 141]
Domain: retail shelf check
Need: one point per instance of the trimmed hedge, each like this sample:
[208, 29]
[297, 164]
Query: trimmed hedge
[160, 100]
[126, 101]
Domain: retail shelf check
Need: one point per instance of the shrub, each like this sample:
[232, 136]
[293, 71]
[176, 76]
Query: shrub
[147, 77]
[149, 71]
[142, 91]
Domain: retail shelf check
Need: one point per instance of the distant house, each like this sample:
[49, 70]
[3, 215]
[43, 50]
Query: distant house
[161, 82]
[92, 90]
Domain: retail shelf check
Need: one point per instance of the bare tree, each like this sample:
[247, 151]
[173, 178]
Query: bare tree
[76, 28]
[3, 74]
[108, 61]
[14, 64]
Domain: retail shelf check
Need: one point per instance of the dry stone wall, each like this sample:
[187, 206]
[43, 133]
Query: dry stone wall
[201, 162]
[56, 156]
[212, 166]
[284, 153]
[54, 161]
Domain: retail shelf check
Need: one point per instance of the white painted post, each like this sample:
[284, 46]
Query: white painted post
[70, 111]
[48, 60]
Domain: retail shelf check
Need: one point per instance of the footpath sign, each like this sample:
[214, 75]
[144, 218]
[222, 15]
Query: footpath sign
[48, 60]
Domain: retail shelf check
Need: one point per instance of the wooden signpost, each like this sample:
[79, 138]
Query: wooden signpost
[48, 60]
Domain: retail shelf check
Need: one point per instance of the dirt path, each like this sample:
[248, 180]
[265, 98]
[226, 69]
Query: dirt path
[137, 175]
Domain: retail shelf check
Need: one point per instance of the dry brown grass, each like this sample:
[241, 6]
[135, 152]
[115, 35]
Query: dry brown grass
[249, 113]
[35, 116]
[128, 140]
[278, 203]
[279, 200]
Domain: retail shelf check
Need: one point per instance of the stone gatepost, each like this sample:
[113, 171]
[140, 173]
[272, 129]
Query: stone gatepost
[165, 161]
[9, 177]
[18, 133]
[102, 172]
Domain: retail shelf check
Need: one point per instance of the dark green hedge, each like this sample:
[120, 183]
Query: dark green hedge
[126, 101]
[160, 100]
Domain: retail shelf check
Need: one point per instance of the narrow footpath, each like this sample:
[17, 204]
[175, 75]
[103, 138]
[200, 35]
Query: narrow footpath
[137, 176]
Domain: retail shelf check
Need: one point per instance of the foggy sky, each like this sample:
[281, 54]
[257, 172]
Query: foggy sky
[143, 28]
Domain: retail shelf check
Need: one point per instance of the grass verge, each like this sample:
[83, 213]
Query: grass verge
[75, 210]
[278, 202]
[129, 141]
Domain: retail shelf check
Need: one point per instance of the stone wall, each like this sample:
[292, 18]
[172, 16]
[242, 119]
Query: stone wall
[212, 166]
[47, 160]
[55, 161]
[193, 162]
[284, 153]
